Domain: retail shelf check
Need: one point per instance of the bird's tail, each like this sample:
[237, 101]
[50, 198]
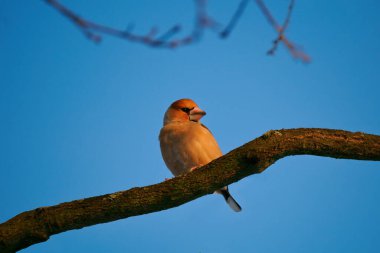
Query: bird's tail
[230, 200]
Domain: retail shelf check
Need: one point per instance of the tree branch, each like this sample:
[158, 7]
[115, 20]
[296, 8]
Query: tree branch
[203, 21]
[38, 225]
[94, 31]
[295, 51]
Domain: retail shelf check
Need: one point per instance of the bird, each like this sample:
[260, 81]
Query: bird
[187, 144]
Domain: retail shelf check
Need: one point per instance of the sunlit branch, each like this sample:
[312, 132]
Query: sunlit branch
[38, 225]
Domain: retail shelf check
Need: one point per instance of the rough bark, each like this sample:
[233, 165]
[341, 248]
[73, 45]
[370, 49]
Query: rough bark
[38, 225]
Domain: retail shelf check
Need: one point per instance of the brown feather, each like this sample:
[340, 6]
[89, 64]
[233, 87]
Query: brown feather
[187, 144]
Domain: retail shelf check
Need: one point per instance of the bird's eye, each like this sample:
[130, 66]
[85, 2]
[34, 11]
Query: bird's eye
[187, 110]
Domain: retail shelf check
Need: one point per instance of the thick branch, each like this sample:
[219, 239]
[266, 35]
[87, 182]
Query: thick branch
[38, 225]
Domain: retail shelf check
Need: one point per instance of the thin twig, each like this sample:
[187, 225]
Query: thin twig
[294, 50]
[235, 18]
[282, 29]
[94, 31]
[169, 39]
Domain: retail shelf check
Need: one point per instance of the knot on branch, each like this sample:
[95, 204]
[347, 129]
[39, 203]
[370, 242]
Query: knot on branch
[271, 133]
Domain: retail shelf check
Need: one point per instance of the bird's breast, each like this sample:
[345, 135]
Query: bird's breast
[184, 146]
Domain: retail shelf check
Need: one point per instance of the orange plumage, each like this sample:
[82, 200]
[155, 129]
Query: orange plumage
[187, 144]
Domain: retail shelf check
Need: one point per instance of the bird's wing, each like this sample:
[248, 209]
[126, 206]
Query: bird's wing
[185, 146]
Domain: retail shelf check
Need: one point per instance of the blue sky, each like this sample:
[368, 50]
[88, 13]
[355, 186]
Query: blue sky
[80, 120]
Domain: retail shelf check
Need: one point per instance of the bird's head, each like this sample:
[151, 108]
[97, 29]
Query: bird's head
[183, 110]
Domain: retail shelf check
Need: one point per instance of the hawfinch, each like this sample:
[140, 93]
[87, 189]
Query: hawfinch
[186, 144]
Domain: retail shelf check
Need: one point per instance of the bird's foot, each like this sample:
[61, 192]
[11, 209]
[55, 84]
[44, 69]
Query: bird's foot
[194, 168]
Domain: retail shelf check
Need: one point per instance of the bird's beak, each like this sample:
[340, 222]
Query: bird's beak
[196, 114]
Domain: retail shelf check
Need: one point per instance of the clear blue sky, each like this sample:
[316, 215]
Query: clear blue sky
[80, 120]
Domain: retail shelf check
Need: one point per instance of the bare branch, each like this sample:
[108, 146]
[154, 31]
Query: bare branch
[282, 29]
[235, 18]
[203, 21]
[294, 50]
[94, 31]
[38, 225]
